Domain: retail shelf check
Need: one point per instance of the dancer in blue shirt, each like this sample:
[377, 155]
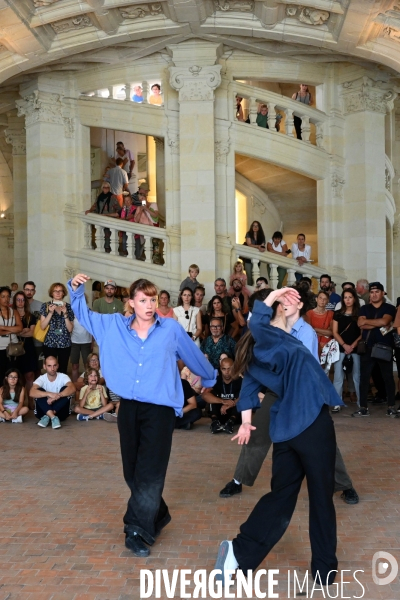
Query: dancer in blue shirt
[302, 431]
[139, 362]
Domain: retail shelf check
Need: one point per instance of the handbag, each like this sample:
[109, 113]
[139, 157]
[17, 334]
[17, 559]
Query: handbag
[382, 352]
[362, 344]
[15, 349]
[39, 334]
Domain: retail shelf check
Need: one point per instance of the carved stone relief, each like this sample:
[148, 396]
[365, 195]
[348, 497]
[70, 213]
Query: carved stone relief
[71, 24]
[173, 141]
[234, 5]
[18, 141]
[40, 3]
[47, 108]
[366, 94]
[309, 16]
[195, 83]
[337, 183]
[222, 150]
[141, 11]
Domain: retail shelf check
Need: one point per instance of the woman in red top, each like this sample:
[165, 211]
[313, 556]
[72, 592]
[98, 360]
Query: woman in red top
[320, 319]
[163, 309]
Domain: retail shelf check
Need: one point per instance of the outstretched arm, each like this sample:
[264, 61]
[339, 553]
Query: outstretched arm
[93, 322]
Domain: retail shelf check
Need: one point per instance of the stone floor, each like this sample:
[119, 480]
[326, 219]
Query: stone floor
[63, 497]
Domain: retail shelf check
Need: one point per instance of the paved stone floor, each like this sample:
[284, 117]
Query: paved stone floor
[63, 497]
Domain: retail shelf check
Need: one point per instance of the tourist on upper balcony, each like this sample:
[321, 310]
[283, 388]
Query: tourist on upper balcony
[127, 213]
[118, 179]
[106, 204]
[138, 95]
[262, 117]
[277, 245]
[164, 310]
[143, 190]
[127, 157]
[155, 96]
[303, 96]
[145, 214]
[301, 252]
[254, 237]
[239, 109]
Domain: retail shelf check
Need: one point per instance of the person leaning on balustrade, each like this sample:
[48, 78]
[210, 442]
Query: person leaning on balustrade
[146, 214]
[277, 245]
[105, 204]
[262, 117]
[301, 252]
[255, 238]
[303, 96]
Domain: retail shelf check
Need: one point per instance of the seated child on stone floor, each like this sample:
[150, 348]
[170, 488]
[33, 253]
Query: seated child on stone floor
[12, 396]
[93, 399]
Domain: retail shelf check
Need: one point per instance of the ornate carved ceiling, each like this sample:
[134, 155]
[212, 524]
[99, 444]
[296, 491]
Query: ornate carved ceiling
[38, 35]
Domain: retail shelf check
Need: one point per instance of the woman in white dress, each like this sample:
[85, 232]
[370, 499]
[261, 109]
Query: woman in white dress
[188, 315]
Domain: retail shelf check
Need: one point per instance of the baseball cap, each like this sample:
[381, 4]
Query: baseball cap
[376, 285]
[144, 186]
[110, 282]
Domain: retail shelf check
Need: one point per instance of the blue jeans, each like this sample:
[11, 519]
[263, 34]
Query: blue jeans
[340, 374]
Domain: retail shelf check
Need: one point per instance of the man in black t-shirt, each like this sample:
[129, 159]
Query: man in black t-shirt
[373, 321]
[191, 412]
[223, 399]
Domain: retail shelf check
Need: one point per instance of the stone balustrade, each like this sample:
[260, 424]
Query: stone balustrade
[283, 106]
[124, 92]
[274, 261]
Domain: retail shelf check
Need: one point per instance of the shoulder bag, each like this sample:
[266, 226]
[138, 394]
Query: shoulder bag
[379, 351]
[14, 349]
[38, 333]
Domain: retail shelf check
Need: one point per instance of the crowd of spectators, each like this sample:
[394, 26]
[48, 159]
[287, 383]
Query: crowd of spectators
[365, 326]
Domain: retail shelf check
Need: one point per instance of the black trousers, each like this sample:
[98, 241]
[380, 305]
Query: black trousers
[367, 363]
[61, 354]
[253, 454]
[145, 432]
[191, 416]
[5, 364]
[297, 125]
[312, 455]
[61, 407]
[231, 413]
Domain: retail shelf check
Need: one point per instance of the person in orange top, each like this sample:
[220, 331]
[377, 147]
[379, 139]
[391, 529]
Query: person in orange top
[321, 320]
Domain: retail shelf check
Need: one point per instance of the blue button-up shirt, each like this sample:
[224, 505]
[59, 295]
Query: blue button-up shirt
[303, 332]
[282, 364]
[143, 370]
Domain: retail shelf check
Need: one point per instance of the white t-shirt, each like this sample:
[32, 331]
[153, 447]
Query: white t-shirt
[79, 334]
[52, 386]
[279, 247]
[306, 252]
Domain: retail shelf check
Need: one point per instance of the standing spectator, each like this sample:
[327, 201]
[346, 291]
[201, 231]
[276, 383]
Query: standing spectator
[93, 399]
[34, 307]
[277, 245]
[325, 283]
[81, 345]
[347, 285]
[256, 239]
[164, 309]
[199, 294]
[155, 96]
[12, 396]
[347, 333]
[191, 281]
[301, 252]
[217, 343]
[53, 392]
[127, 157]
[118, 179]
[138, 95]
[27, 364]
[239, 273]
[303, 96]
[109, 304]
[96, 290]
[362, 289]
[221, 291]
[190, 412]
[146, 214]
[373, 321]
[14, 289]
[143, 190]
[188, 315]
[262, 284]
[320, 319]
[106, 204]
[127, 213]
[216, 308]
[58, 316]
[223, 399]
[239, 108]
[10, 325]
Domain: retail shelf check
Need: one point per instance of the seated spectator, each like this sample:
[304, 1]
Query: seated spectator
[325, 283]
[277, 245]
[239, 293]
[216, 308]
[57, 317]
[81, 345]
[93, 399]
[127, 157]
[155, 96]
[347, 333]
[222, 292]
[188, 315]
[194, 380]
[362, 289]
[374, 321]
[106, 204]
[138, 94]
[262, 284]
[303, 96]
[191, 281]
[191, 413]
[223, 398]
[12, 396]
[53, 393]
[118, 179]
[256, 239]
[217, 342]
[321, 319]
[240, 274]
[347, 285]
[27, 364]
[164, 309]
[262, 117]
[92, 362]
[301, 252]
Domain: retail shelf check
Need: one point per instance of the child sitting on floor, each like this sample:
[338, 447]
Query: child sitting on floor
[12, 396]
[93, 399]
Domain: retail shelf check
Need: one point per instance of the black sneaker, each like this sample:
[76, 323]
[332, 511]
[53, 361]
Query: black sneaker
[216, 427]
[231, 489]
[228, 427]
[391, 412]
[135, 543]
[350, 496]
[362, 412]
[378, 400]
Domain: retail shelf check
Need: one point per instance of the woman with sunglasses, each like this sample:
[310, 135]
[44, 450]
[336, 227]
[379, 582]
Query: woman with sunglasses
[188, 315]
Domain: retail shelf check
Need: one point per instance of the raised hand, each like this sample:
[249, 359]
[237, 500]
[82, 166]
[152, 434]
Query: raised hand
[79, 280]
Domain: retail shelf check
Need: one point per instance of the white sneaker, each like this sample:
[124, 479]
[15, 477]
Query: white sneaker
[226, 561]
[17, 420]
[2, 420]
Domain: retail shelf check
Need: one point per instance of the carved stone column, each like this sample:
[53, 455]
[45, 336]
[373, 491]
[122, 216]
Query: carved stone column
[196, 78]
[16, 136]
[160, 177]
[365, 104]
